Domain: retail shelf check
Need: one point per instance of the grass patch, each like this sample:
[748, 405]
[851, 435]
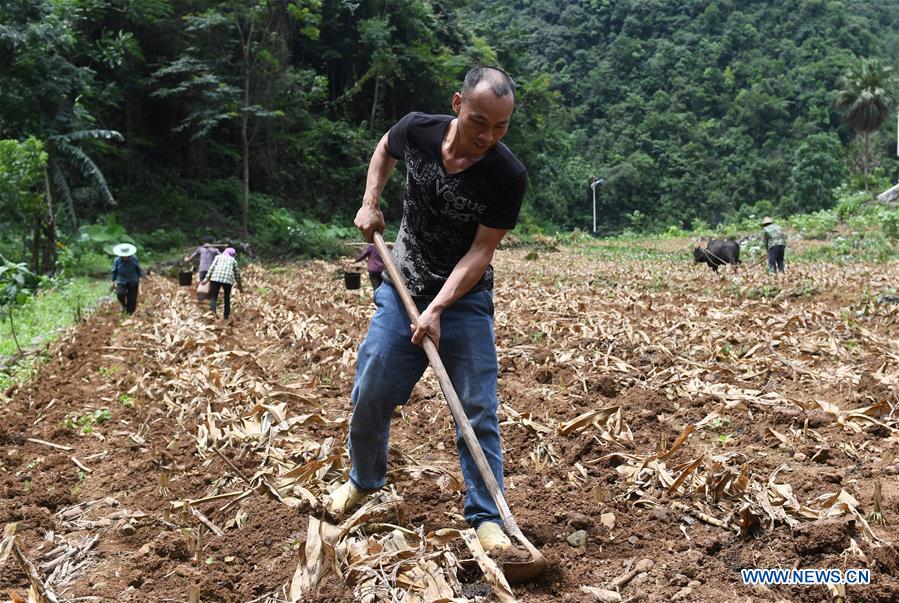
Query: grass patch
[634, 249]
[85, 423]
[41, 318]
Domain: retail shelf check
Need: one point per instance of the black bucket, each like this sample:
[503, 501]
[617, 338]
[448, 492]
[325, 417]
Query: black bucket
[185, 278]
[352, 280]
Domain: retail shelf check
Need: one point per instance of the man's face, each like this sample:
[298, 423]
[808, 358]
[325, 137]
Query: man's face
[483, 117]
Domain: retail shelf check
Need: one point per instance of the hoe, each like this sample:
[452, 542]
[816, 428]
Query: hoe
[515, 571]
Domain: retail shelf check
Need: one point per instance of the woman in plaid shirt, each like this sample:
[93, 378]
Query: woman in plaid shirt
[223, 274]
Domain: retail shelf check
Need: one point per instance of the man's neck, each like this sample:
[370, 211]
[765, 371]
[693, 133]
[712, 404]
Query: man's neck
[454, 155]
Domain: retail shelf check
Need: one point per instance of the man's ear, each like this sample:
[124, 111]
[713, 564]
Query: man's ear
[457, 102]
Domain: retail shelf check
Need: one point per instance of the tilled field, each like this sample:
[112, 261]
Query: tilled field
[663, 429]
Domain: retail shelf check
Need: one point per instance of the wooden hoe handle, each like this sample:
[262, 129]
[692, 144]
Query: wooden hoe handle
[449, 391]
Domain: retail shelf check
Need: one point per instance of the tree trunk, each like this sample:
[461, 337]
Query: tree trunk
[36, 246]
[865, 157]
[245, 149]
[374, 105]
[50, 229]
[244, 124]
[48, 263]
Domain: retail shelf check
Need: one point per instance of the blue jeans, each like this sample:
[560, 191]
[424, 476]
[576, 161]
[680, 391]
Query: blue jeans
[388, 367]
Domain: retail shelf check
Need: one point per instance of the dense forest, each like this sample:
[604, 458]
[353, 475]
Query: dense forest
[257, 118]
[692, 111]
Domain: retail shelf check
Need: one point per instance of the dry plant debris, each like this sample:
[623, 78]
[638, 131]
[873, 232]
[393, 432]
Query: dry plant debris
[739, 409]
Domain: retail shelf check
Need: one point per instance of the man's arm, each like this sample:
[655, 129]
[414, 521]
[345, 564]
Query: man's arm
[464, 276]
[369, 217]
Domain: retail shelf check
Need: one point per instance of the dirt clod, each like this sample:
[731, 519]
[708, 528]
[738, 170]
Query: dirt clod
[579, 521]
[823, 536]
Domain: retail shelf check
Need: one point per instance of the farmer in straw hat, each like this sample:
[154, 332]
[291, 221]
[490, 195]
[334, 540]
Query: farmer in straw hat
[464, 190]
[775, 240]
[126, 275]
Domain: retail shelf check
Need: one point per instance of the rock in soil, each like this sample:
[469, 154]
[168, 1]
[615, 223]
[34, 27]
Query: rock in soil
[602, 595]
[577, 539]
[608, 520]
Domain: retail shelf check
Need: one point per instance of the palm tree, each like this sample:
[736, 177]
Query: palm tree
[63, 150]
[64, 154]
[61, 144]
[865, 102]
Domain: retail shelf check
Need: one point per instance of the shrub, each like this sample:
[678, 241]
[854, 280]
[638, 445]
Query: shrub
[85, 262]
[889, 222]
[817, 225]
[851, 204]
[284, 233]
[162, 239]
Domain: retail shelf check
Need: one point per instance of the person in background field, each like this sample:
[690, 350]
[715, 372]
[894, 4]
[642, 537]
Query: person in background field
[126, 275]
[463, 191]
[775, 240]
[375, 265]
[222, 275]
[207, 253]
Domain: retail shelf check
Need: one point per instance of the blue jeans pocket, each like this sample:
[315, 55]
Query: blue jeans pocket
[488, 298]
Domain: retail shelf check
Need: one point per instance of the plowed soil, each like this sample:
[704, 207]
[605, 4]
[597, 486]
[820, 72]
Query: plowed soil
[666, 343]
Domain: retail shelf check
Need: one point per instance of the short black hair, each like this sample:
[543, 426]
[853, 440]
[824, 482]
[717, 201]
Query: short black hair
[207, 239]
[499, 80]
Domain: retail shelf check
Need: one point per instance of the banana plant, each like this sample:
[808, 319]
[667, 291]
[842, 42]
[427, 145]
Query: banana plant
[64, 151]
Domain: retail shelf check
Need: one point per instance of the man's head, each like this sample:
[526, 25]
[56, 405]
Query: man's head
[498, 80]
[207, 240]
[484, 106]
[124, 250]
[766, 221]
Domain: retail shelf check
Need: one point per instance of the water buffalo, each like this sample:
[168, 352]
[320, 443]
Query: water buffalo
[718, 252]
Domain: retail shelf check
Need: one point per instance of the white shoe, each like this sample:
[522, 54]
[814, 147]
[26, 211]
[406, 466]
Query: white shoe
[492, 537]
[344, 498]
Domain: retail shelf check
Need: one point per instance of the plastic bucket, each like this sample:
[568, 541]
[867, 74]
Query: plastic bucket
[185, 278]
[352, 280]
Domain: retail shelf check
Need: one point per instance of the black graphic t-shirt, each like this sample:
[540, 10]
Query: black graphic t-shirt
[441, 212]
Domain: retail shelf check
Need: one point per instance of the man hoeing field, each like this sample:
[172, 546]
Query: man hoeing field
[463, 191]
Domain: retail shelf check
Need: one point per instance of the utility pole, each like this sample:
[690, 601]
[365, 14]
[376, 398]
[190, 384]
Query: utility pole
[593, 183]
